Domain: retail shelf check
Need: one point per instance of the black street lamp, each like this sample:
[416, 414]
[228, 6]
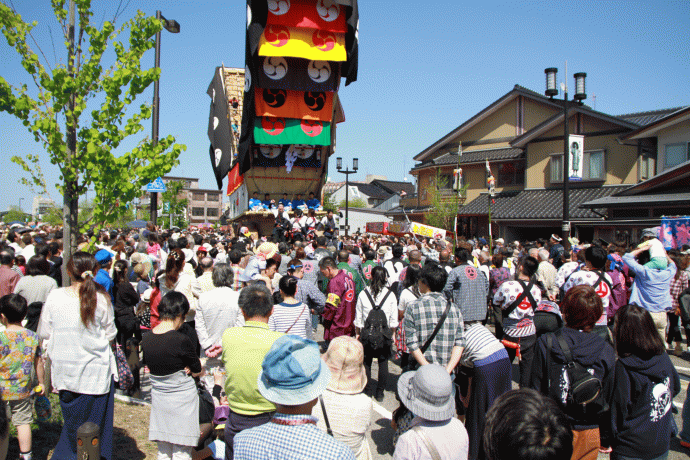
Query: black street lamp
[579, 96]
[171, 26]
[347, 172]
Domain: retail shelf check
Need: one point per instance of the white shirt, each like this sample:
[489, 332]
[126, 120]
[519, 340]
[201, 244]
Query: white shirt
[350, 418]
[448, 437]
[82, 361]
[218, 310]
[519, 322]
[406, 298]
[364, 306]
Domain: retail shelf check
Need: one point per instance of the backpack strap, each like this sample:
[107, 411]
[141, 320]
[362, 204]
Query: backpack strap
[602, 278]
[564, 348]
[437, 328]
[325, 417]
[371, 299]
[525, 293]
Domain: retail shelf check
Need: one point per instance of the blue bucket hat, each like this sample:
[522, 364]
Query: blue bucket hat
[293, 372]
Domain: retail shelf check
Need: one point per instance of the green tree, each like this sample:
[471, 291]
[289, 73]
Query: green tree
[52, 216]
[178, 205]
[328, 203]
[81, 112]
[353, 203]
[444, 204]
[16, 214]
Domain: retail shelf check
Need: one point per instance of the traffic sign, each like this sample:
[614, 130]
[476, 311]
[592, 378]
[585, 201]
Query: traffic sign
[157, 186]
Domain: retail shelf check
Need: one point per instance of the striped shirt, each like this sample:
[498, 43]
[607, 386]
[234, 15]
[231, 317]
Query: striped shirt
[293, 316]
[480, 343]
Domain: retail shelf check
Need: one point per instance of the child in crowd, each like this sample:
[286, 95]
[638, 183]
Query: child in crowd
[153, 249]
[20, 353]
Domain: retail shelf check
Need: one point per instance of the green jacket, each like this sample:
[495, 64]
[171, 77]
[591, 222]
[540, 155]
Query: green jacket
[367, 267]
[359, 283]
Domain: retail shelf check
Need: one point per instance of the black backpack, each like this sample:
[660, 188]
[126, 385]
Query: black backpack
[376, 334]
[584, 391]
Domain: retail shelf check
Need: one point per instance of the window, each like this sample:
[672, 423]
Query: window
[646, 163]
[212, 212]
[511, 173]
[198, 212]
[212, 196]
[196, 196]
[675, 154]
[593, 166]
[444, 181]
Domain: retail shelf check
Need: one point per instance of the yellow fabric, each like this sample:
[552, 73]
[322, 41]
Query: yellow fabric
[244, 349]
[333, 299]
[310, 44]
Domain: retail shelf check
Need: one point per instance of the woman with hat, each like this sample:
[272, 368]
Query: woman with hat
[435, 432]
[347, 407]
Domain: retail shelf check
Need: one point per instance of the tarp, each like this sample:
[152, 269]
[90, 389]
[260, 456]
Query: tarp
[675, 232]
[139, 223]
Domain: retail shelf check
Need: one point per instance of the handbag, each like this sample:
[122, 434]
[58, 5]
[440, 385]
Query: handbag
[207, 408]
[124, 373]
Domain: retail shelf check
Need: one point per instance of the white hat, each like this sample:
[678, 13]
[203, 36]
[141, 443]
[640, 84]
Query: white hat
[500, 240]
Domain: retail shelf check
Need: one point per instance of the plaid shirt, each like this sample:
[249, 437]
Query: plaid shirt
[421, 317]
[287, 442]
[678, 285]
[236, 283]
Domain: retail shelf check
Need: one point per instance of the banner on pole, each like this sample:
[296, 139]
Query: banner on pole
[576, 143]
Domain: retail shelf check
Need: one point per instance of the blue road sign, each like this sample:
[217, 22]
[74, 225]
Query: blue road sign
[157, 186]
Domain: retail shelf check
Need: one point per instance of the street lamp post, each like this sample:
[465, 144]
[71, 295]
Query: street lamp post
[579, 96]
[347, 172]
[171, 26]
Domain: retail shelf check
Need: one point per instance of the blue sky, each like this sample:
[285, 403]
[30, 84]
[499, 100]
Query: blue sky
[424, 68]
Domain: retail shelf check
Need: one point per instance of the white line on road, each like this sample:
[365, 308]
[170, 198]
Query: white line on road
[382, 410]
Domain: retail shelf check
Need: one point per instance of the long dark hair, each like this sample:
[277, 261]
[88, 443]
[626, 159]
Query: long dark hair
[82, 267]
[411, 278]
[120, 272]
[635, 333]
[173, 267]
[378, 280]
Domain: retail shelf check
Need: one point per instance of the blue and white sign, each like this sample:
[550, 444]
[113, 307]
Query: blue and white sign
[157, 186]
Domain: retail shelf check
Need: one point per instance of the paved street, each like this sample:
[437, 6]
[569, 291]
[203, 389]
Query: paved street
[381, 434]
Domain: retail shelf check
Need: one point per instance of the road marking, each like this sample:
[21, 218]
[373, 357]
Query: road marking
[382, 410]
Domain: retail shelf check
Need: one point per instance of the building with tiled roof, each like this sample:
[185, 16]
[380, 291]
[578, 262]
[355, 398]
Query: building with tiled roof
[521, 136]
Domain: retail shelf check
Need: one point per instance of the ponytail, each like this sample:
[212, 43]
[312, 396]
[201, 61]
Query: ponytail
[82, 267]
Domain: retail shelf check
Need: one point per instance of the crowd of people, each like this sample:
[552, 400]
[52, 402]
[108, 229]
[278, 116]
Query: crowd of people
[226, 325]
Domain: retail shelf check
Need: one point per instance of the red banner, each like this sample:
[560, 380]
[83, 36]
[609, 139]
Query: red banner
[235, 179]
[380, 228]
[282, 103]
[308, 14]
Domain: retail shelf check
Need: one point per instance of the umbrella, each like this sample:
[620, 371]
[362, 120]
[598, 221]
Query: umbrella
[139, 223]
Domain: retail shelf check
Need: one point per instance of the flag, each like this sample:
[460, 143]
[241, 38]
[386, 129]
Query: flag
[277, 72]
[490, 181]
[234, 179]
[282, 103]
[302, 43]
[219, 133]
[320, 14]
[350, 66]
[269, 130]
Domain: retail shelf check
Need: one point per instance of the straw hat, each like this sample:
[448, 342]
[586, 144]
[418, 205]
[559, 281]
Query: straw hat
[345, 359]
[266, 250]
